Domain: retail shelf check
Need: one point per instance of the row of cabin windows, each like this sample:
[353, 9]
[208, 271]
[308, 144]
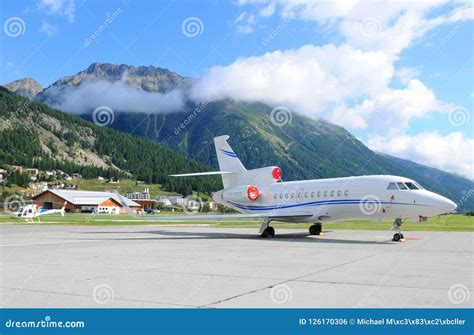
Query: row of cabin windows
[404, 186]
[319, 194]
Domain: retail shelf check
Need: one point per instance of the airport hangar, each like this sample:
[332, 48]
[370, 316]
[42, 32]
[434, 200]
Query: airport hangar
[84, 201]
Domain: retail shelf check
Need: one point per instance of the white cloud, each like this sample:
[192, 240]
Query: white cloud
[390, 26]
[119, 96]
[307, 79]
[48, 29]
[453, 152]
[65, 8]
[245, 22]
[268, 10]
[405, 74]
[390, 111]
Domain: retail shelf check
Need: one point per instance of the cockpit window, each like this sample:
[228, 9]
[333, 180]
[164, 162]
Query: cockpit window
[411, 186]
[402, 186]
[419, 186]
[392, 186]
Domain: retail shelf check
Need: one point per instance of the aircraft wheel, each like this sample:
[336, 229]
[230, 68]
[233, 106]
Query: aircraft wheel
[268, 232]
[315, 229]
[397, 237]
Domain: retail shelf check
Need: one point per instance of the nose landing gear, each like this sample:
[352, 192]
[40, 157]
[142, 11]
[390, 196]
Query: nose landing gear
[398, 236]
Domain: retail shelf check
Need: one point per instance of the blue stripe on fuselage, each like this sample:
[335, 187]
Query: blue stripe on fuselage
[321, 203]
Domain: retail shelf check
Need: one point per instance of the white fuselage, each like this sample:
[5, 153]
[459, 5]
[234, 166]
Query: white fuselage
[34, 211]
[338, 199]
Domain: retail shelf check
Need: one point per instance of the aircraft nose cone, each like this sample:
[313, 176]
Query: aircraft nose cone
[441, 204]
[450, 205]
[446, 204]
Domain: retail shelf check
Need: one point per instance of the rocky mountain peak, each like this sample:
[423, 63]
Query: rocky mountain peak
[27, 87]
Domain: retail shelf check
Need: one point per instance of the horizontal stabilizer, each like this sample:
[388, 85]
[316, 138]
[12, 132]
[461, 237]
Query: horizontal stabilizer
[199, 174]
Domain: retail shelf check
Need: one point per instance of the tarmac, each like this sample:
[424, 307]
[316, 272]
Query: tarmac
[48, 266]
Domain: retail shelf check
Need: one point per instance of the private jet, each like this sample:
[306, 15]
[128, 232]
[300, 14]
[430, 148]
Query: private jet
[261, 194]
[33, 211]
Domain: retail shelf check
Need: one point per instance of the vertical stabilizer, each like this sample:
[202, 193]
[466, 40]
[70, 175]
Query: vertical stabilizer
[227, 159]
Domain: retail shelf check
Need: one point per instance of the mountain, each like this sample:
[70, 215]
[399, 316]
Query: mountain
[304, 148]
[34, 135]
[147, 78]
[26, 87]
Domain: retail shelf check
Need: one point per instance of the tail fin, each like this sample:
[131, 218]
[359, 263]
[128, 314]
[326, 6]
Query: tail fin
[63, 209]
[228, 160]
[226, 157]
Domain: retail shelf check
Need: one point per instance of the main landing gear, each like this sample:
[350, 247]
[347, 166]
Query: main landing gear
[398, 236]
[316, 229]
[266, 230]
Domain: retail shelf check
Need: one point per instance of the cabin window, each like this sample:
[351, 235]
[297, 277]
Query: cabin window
[286, 195]
[346, 193]
[30, 211]
[275, 196]
[332, 193]
[319, 194]
[305, 194]
[325, 194]
[312, 194]
[299, 194]
[392, 186]
[339, 193]
[411, 186]
[281, 195]
[402, 186]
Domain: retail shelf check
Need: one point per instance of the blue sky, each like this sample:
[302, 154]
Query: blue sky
[421, 74]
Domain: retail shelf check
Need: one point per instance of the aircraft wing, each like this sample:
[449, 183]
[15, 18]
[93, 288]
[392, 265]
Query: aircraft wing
[217, 217]
[270, 215]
